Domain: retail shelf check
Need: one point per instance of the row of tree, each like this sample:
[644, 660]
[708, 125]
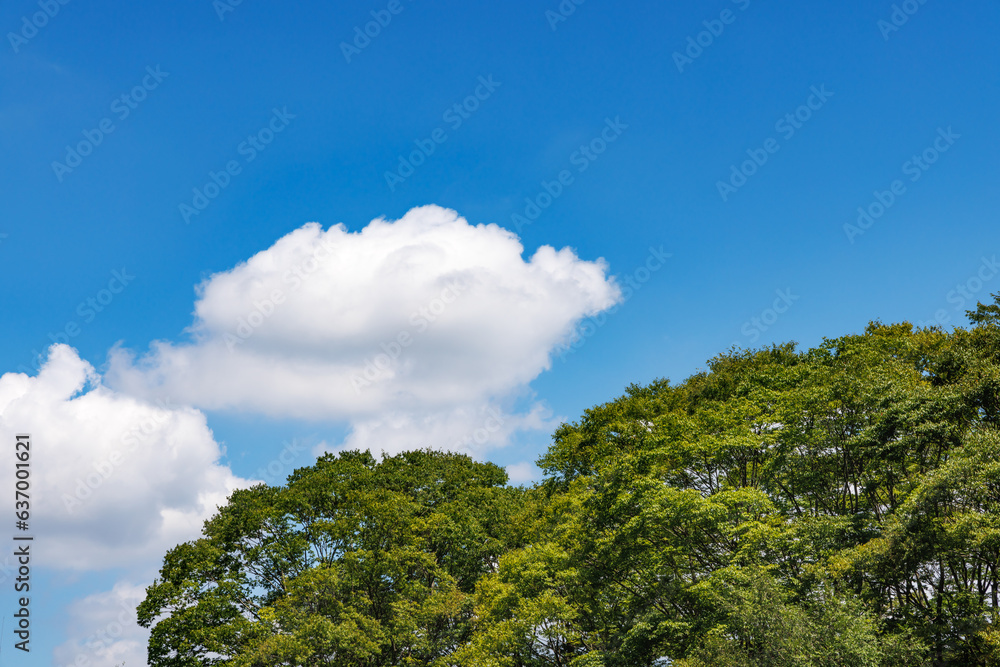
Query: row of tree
[836, 506]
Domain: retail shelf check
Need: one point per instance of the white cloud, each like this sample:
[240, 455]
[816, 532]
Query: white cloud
[404, 329]
[466, 429]
[416, 332]
[103, 630]
[115, 480]
[523, 473]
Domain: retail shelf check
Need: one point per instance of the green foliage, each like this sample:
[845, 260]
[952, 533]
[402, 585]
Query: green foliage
[352, 563]
[835, 506]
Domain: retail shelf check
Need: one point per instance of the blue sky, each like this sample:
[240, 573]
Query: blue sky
[200, 79]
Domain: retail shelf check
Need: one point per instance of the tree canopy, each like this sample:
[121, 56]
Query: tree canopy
[833, 506]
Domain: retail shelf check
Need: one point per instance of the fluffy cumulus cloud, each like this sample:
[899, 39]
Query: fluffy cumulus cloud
[523, 473]
[116, 480]
[413, 325]
[417, 332]
[467, 429]
[103, 630]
